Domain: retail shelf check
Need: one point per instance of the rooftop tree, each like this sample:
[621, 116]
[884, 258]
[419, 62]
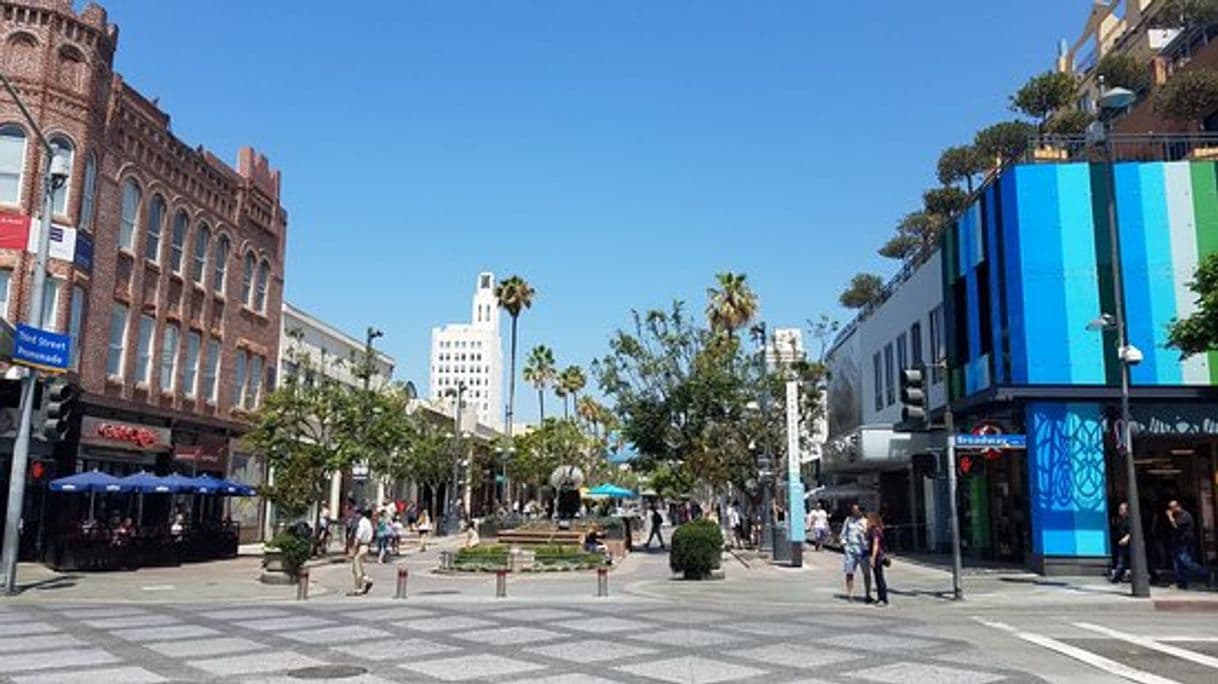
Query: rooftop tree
[1043, 95]
[1189, 96]
[864, 289]
[960, 163]
[1004, 141]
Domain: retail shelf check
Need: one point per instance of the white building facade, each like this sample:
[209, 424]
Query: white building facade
[471, 355]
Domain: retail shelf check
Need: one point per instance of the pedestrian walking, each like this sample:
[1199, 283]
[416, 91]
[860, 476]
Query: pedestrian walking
[878, 559]
[818, 523]
[1182, 546]
[424, 528]
[657, 521]
[382, 536]
[1121, 566]
[736, 522]
[362, 539]
[854, 552]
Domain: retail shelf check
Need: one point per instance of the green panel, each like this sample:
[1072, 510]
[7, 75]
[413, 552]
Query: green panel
[1101, 195]
[979, 512]
[1205, 208]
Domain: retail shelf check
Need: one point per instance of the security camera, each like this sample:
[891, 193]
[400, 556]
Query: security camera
[1130, 354]
[60, 170]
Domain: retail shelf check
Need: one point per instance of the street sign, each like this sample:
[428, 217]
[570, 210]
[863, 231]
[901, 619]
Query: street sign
[991, 442]
[40, 348]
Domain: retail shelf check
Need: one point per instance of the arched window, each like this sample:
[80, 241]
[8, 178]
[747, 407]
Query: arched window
[89, 200]
[67, 151]
[264, 273]
[12, 163]
[247, 278]
[177, 244]
[129, 215]
[152, 229]
[202, 241]
[221, 257]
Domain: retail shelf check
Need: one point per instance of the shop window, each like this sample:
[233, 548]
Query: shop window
[191, 372]
[177, 244]
[169, 357]
[253, 388]
[221, 258]
[211, 370]
[129, 214]
[202, 242]
[143, 350]
[247, 278]
[264, 273]
[239, 380]
[152, 229]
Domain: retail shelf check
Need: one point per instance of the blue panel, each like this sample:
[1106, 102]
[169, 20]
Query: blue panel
[1079, 275]
[1013, 272]
[1040, 263]
[996, 303]
[1069, 511]
[964, 231]
[974, 308]
[1132, 219]
[1159, 279]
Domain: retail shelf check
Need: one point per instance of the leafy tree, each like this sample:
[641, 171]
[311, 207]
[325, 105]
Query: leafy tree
[1044, 94]
[731, 305]
[571, 381]
[900, 246]
[430, 455]
[552, 444]
[1071, 122]
[514, 296]
[864, 289]
[1198, 333]
[1124, 71]
[539, 372]
[961, 163]
[945, 202]
[1189, 96]
[824, 330]
[1003, 141]
[917, 233]
[1187, 14]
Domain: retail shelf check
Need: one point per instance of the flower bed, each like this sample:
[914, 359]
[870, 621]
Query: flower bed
[547, 558]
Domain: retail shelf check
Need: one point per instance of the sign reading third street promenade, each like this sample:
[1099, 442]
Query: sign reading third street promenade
[40, 348]
[991, 441]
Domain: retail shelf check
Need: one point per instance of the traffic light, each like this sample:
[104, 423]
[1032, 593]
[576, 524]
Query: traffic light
[42, 470]
[59, 409]
[913, 396]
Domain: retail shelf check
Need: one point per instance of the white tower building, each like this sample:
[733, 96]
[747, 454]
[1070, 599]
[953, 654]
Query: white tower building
[471, 353]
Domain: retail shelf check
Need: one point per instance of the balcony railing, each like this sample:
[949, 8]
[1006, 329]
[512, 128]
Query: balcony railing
[1142, 147]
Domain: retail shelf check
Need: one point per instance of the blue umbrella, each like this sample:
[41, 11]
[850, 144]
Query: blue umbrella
[89, 481]
[611, 491]
[181, 483]
[146, 483]
[226, 487]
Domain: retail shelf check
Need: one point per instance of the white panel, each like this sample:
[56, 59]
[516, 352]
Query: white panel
[1182, 222]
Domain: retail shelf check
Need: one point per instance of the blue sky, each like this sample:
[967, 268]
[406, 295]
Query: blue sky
[615, 154]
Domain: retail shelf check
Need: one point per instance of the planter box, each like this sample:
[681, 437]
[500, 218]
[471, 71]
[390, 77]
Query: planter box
[1048, 153]
[1204, 154]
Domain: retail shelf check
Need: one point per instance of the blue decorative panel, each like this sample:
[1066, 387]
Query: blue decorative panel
[1013, 272]
[1069, 510]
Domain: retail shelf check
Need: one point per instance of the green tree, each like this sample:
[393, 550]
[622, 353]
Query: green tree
[1189, 96]
[1044, 94]
[1124, 71]
[732, 305]
[1186, 14]
[539, 372]
[571, 381]
[945, 202]
[1003, 141]
[514, 295]
[960, 163]
[1070, 122]
[1198, 333]
[917, 232]
[864, 289]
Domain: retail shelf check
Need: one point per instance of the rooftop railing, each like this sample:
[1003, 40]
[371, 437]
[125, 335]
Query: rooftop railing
[1141, 147]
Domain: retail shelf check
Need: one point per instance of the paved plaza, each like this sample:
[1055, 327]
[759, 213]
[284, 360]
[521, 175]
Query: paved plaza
[760, 624]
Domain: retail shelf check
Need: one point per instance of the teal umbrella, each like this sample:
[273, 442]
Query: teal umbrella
[612, 491]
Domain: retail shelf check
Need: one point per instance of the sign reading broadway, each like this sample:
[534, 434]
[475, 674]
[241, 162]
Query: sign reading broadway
[991, 441]
[40, 348]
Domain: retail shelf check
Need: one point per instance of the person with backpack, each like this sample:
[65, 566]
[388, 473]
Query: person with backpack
[657, 521]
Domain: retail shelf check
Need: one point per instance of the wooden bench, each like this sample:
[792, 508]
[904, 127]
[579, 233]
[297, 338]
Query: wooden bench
[540, 537]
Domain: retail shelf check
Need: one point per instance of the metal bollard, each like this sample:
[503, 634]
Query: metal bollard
[602, 582]
[302, 585]
[403, 574]
[500, 583]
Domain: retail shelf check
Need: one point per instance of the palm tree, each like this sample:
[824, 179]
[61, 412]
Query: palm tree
[540, 373]
[732, 305]
[571, 381]
[514, 295]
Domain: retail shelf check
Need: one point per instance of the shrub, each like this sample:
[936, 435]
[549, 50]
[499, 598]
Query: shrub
[294, 550]
[696, 548]
[1189, 96]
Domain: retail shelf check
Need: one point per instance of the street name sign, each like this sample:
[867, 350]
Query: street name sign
[41, 349]
[991, 441]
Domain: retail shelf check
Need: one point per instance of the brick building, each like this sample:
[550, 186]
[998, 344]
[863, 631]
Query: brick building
[167, 263]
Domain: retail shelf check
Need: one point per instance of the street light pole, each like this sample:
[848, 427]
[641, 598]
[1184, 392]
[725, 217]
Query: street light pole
[766, 463]
[369, 364]
[53, 177]
[1117, 99]
[450, 521]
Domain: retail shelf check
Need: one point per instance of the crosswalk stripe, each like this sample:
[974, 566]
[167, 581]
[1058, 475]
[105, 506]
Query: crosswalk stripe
[1082, 655]
[1184, 653]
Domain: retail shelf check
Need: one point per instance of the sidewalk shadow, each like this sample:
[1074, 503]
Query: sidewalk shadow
[1057, 584]
[50, 584]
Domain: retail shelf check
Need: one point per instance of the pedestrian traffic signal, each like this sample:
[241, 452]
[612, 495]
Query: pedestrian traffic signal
[42, 470]
[59, 409]
[913, 397]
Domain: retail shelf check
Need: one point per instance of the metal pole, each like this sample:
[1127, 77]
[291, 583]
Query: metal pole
[1137, 555]
[950, 426]
[21, 445]
[451, 518]
[403, 576]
